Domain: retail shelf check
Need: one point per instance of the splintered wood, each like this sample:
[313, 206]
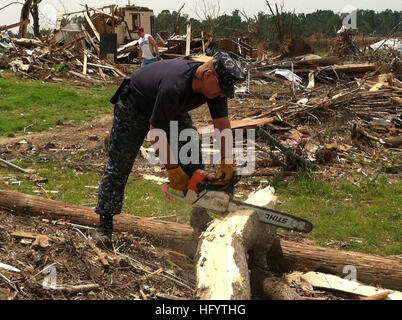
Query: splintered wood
[222, 268]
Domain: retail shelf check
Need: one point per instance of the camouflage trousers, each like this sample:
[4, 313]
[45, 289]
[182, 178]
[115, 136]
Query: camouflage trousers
[129, 130]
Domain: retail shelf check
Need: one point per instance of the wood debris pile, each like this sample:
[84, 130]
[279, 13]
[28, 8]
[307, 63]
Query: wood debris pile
[50, 62]
[54, 260]
[343, 45]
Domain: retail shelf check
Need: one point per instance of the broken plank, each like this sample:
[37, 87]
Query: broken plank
[59, 20]
[188, 39]
[101, 66]
[241, 124]
[92, 25]
[102, 74]
[67, 45]
[331, 282]
[29, 235]
[85, 66]
[22, 23]
[105, 13]
[89, 39]
[347, 68]
[152, 274]
[88, 78]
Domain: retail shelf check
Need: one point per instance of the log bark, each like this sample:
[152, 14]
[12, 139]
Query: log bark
[285, 256]
[177, 236]
[35, 17]
[23, 32]
[222, 259]
[278, 289]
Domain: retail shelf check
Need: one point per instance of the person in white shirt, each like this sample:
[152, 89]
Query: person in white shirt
[148, 52]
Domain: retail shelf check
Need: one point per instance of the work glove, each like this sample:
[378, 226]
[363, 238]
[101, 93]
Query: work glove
[178, 179]
[226, 170]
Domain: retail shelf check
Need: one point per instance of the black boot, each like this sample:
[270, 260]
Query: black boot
[103, 234]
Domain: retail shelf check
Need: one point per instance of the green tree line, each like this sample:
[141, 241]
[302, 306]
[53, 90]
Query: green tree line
[327, 22]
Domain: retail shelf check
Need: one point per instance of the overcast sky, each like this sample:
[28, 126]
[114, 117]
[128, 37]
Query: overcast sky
[49, 8]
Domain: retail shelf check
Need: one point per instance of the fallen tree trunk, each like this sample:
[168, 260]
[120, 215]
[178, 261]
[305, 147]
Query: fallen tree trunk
[222, 264]
[174, 235]
[288, 256]
[370, 269]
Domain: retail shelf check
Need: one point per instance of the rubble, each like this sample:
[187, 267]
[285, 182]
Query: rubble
[395, 44]
[50, 62]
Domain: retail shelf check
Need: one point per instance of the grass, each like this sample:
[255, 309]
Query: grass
[271, 89]
[366, 217]
[142, 198]
[40, 106]
[322, 53]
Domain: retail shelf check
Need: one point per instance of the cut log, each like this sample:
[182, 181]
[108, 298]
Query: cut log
[290, 256]
[222, 268]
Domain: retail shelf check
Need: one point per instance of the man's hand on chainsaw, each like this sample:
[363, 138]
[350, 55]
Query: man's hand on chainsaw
[226, 170]
[178, 179]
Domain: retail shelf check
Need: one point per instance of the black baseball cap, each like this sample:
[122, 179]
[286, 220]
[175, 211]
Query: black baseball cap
[229, 72]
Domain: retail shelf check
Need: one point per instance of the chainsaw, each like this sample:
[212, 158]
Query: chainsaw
[207, 192]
